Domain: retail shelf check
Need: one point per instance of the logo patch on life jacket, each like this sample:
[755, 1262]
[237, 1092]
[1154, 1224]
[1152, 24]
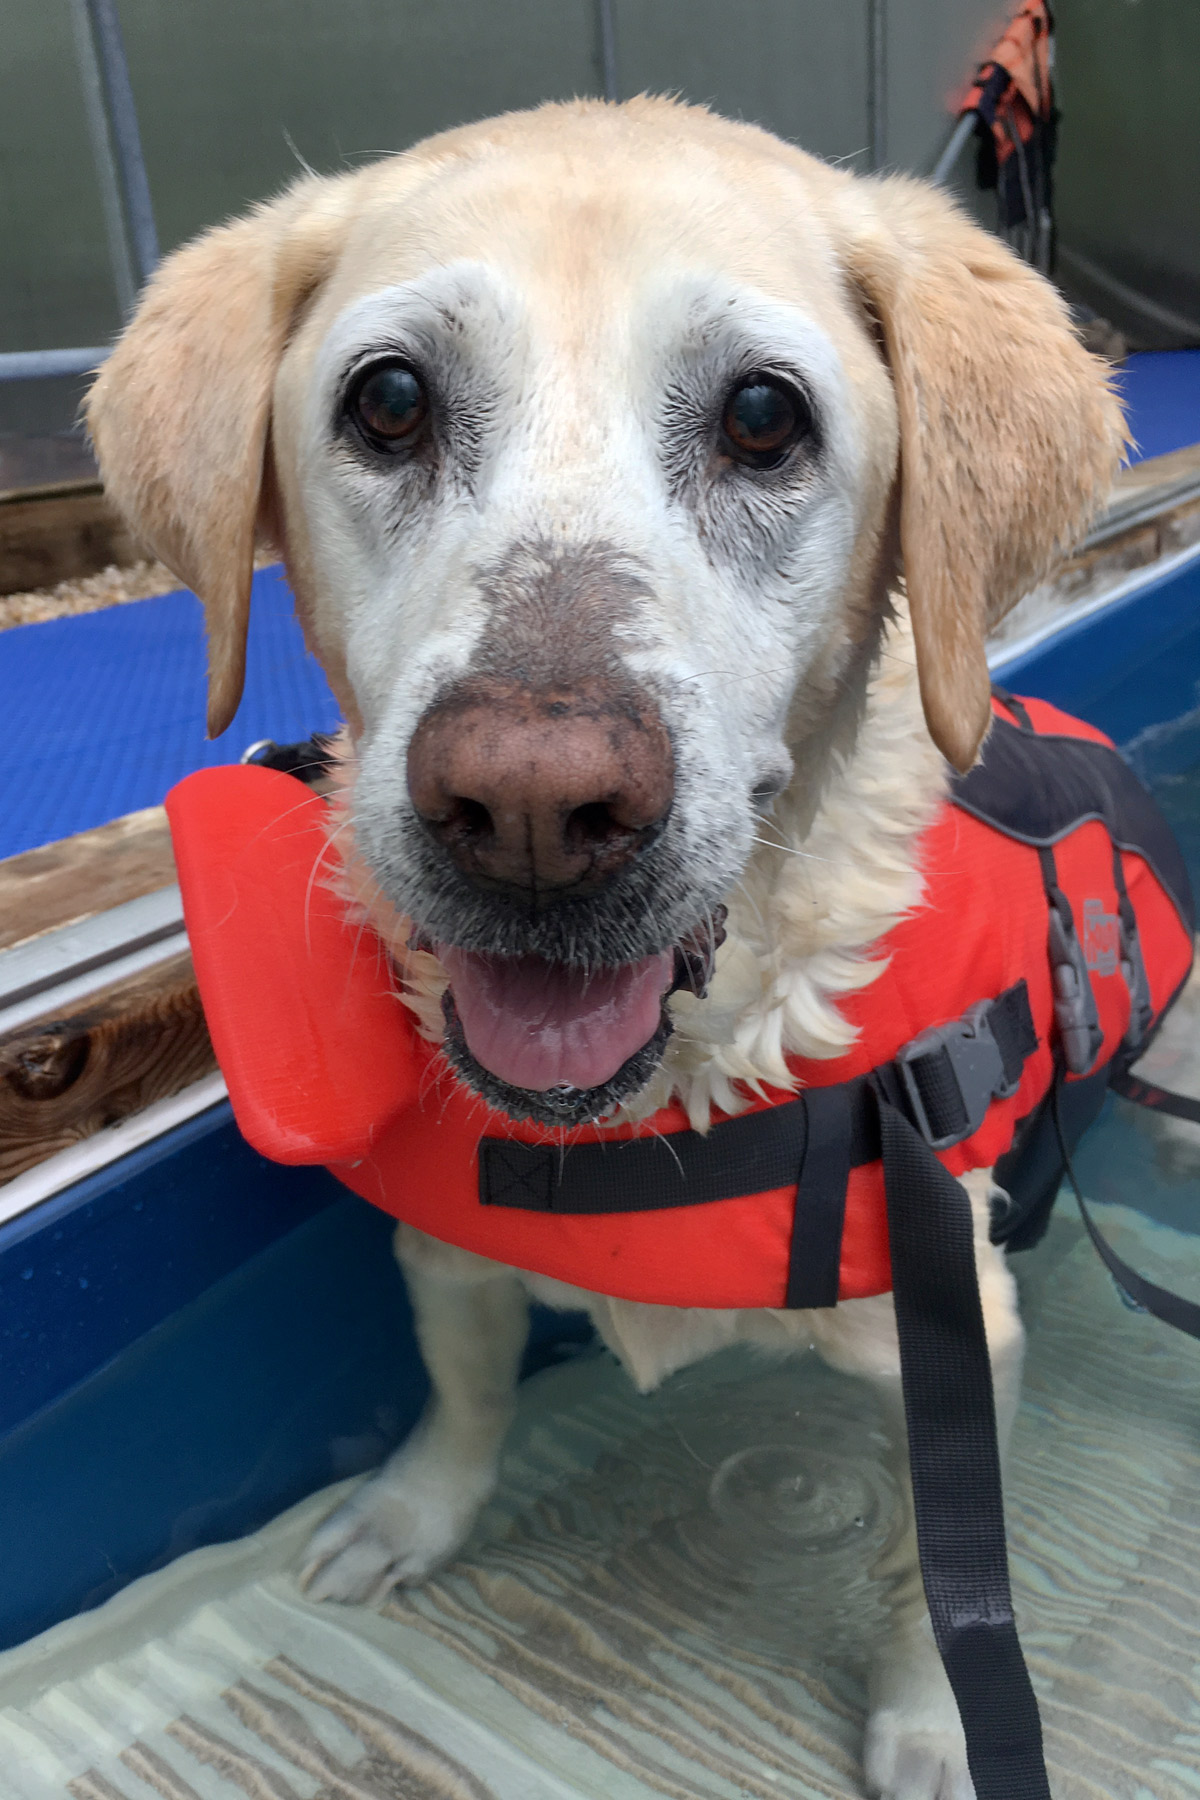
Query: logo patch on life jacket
[1101, 940]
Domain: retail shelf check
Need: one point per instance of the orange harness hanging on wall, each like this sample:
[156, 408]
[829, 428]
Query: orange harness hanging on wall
[324, 1065]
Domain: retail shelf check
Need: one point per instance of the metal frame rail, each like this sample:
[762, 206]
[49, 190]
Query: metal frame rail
[121, 172]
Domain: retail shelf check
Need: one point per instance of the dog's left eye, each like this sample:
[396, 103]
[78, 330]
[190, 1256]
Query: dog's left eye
[763, 418]
[389, 404]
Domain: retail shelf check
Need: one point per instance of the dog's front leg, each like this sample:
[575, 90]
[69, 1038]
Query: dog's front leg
[914, 1745]
[472, 1320]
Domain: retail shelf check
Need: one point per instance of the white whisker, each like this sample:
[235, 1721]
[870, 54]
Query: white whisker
[787, 850]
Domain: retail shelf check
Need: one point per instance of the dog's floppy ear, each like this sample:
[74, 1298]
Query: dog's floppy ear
[180, 412]
[1009, 433]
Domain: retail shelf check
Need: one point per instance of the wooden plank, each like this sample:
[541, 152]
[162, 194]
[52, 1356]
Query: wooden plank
[1136, 547]
[1158, 474]
[59, 883]
[55, 534]
[62, 1079]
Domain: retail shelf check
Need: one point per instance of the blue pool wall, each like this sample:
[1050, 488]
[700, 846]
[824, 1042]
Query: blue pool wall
[191, 1341]
[1161, 391]
[1131, 667]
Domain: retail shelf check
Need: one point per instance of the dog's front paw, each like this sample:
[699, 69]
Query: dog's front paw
[917, 1755]
[396, 1528]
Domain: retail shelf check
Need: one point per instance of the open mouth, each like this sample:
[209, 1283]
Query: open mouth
[553, 1042]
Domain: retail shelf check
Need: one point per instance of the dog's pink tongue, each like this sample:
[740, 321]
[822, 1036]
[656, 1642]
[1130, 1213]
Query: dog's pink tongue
[537, 1024]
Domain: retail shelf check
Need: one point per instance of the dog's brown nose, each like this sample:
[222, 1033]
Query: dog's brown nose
[541, 791]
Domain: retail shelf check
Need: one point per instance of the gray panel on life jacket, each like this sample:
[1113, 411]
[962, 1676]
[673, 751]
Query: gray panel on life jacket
[1038, 788]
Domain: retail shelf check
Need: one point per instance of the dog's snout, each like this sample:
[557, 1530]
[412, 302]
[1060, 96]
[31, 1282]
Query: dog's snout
[536, 792]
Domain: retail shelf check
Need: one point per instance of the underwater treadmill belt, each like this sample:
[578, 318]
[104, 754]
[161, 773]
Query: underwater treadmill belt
[656, 1604]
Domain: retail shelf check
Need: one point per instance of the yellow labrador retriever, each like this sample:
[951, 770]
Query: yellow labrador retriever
[597, 441]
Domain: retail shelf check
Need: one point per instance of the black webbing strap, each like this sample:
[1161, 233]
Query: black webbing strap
[958, 1500]
[810, 1143]
[815, 1253]
[1160, 1302]
[1155, 1099]
[751, 1153]
[1016, 707]
[814, 1141]
[1011, 1019]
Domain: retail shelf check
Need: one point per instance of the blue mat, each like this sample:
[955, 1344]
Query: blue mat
[1162, 394]
[104, 712]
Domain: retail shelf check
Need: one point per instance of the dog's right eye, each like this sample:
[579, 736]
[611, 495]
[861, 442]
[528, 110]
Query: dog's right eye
[390, 405]
[763, 418]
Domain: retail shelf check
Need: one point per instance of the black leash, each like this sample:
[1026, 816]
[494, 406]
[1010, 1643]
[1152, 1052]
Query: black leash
[1160, 1302]
[935, 1092]
[958, 1499]
[1155, 1099]
[949, 1407]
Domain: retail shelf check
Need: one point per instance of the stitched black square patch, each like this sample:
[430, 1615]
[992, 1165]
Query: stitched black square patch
[520, 1175]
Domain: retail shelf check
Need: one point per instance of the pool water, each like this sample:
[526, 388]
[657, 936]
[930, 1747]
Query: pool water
[671, 1595]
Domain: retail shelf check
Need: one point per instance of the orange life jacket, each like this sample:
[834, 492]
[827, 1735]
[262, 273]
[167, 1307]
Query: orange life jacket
[325, 1066]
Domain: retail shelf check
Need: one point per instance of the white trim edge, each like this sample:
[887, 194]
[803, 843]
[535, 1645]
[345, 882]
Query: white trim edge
[108, 1146]
[49, 1002]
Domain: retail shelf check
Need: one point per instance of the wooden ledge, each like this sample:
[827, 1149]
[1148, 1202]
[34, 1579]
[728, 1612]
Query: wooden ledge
[58, 532]
[64, 1076]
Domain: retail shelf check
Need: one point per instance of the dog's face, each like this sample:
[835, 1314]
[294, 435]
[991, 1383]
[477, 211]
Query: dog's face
[581, 484]
[582, 432]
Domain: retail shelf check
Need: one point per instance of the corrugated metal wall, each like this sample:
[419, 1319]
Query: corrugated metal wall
[1129, 163]
[226, 88]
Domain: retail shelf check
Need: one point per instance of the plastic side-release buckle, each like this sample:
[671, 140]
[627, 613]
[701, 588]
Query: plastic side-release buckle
[1133, 971]
[1074, 1001]
[951, 1074]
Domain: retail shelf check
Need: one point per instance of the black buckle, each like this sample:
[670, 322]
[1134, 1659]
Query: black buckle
[973, 1059]
[1074, 1002]
[1133, 968]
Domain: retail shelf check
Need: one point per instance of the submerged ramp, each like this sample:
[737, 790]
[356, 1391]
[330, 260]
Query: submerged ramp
[668, 1598]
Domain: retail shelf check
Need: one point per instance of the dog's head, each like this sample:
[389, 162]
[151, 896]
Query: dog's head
[594, 439]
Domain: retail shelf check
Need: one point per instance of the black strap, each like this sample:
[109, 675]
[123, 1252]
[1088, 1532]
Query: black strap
[1160, 1302]
[814, 1141]
[751, 1153]
[1015, 706]
[1155, 1099]
[1039, 787]
[958, 1499]
[811, 1143]
[815, 1253]
[309, 760]
[1011, 1020]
